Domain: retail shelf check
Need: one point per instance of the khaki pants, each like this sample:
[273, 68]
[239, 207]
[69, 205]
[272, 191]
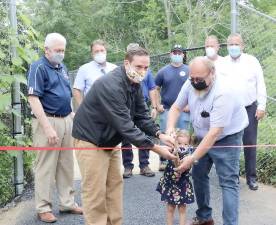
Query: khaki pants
[102, 184]
[54, 167]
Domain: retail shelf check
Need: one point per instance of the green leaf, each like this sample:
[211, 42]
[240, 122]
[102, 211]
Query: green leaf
[5, 101]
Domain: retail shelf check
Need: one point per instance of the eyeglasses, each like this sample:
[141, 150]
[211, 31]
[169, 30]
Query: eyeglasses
[198, 79]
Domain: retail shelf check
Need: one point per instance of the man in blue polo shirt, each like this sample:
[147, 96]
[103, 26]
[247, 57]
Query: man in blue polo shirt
[169, 81]
[49, 95]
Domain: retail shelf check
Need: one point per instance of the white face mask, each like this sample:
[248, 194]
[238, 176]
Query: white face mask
[210, 52]
[135, 76]
[100, 57]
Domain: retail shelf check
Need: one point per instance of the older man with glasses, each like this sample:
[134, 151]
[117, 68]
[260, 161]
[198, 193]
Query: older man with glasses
[218, 119]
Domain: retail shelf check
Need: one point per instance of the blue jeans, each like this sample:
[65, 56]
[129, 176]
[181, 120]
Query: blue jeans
[226, 162]
[183, 123]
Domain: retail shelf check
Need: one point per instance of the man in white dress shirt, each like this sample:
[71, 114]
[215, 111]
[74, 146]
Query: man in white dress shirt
[89, 72]
[246, 74]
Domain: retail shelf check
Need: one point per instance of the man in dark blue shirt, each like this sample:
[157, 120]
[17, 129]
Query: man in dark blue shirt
[169, 80]
[49, 95]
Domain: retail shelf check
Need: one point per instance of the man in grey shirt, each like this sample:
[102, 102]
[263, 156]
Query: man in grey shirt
[218, 118]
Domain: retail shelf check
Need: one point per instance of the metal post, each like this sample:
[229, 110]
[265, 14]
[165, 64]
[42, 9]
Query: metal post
[234, 16]
[16, 104]
[168, 19]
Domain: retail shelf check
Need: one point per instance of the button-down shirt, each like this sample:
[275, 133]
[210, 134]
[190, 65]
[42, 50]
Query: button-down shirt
[246, 74]
[89, 72]
[219, 107]
[114, 109]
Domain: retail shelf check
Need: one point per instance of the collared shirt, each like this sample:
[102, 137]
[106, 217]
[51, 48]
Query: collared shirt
[170, 79]
[219, 107]
[246, 75]
[219, 64]
[148, 85]
[88, 73]
[113, 110]
[52, 86]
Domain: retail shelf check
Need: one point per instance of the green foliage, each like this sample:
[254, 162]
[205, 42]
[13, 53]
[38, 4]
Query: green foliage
[6, 177]
[26, 43]
[266, 6]
[266, 165]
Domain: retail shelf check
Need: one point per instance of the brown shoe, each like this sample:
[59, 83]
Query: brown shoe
[127, 173]
[76, 210]
[47, 217]
[146, 171]
[197, 221]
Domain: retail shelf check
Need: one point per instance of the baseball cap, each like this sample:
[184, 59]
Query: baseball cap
[177, 47]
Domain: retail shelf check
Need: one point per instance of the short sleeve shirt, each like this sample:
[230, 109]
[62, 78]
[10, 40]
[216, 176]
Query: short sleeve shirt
[89, 73]
[170, 79]
[148, 84]
[219, 107]
[51, 85]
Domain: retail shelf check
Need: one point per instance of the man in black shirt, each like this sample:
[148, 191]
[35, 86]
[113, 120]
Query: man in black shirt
[113, 110]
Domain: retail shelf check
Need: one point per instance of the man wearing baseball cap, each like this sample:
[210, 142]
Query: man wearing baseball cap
[169, 81]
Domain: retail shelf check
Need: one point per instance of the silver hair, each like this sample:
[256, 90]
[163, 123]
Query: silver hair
[53, 37]
[207, 62]
[132, 46]
[235, 35]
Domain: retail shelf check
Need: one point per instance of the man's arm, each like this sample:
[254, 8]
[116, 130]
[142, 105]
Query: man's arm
[153, 99]
[261, 91]
[159, 106]
[78, 96]
[39, 113]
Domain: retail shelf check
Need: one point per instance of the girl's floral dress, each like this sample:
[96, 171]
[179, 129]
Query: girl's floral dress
[176, 190]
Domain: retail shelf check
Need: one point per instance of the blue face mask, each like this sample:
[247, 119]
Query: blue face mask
[176, 58]
[234, 51]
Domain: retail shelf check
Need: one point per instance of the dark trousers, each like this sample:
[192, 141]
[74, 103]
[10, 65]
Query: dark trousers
[250, 138]
[127, 156]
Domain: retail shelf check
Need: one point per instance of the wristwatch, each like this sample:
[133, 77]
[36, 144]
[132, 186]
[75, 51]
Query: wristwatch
[157, 134]
[195, 161]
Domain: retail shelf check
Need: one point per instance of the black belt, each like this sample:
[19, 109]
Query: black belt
[253, 103]
[52, 115]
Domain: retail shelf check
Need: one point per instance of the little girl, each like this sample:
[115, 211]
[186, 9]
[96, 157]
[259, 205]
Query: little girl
[176, 189]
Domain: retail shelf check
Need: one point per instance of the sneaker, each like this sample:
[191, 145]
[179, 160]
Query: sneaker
[127, 173]
[146, 171]
[162, 165]
[197, 221]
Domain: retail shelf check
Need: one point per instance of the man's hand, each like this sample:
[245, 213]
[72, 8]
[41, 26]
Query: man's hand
[259, 114]
[186, 109]
[72, 114]
[153, 113]
[186, 164]
[164, 151]
[51, 135]
[160, 108]
[167, 140]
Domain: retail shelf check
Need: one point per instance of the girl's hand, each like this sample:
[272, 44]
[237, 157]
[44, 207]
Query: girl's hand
[186, 164]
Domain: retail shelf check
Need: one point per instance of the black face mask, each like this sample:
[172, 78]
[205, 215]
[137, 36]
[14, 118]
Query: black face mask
[200, 85]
